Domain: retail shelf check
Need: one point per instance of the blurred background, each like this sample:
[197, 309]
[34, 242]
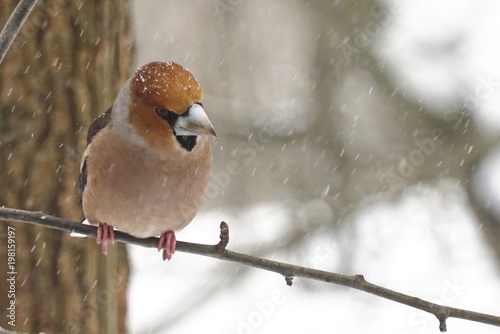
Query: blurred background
[365, 135]
[359, 137]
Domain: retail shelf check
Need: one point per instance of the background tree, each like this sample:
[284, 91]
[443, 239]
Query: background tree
[64, 69]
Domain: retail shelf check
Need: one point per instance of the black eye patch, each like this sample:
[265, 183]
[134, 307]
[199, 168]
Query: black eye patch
[167, 115]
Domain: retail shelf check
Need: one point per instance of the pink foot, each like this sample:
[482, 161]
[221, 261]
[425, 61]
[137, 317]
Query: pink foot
[168, 244]
[105, 233]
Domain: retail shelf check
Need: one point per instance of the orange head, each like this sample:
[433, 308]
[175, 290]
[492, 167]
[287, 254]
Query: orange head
[160, 105]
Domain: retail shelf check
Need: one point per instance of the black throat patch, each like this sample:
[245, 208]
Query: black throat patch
[186, 142]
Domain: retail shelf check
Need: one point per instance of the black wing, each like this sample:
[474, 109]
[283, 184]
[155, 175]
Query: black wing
[82, 179]
[97, 125]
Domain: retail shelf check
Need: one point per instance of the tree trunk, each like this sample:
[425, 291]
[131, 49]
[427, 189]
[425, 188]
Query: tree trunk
[64, 69]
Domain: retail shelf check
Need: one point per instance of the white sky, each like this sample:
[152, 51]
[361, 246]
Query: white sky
[446, 53]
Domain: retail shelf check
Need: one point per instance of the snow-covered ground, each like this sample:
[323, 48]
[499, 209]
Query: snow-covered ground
[425, 244]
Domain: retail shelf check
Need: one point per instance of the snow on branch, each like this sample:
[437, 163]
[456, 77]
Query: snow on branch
[289, 271]
[13, 25]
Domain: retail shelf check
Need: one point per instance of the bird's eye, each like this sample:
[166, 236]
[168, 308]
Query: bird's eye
[162, 112]
[167, 116]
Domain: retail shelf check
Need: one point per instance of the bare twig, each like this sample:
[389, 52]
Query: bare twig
[224, 236]
[287, 270]
[14, 24]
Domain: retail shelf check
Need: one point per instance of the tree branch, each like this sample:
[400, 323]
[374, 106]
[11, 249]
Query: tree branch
[14, 24]
[289, 271]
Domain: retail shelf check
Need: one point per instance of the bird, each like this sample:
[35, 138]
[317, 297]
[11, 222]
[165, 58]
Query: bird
[148, 158]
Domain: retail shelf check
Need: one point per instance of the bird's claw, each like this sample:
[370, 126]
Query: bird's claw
[168, 243]
[105, 233]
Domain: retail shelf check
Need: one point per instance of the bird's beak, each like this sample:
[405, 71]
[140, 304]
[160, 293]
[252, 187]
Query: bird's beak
[194, 122]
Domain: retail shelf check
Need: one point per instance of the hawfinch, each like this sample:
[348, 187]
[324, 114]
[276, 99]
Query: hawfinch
[148, 158]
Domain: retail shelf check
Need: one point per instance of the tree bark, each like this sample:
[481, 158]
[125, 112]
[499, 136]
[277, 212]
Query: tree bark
[64, 69]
